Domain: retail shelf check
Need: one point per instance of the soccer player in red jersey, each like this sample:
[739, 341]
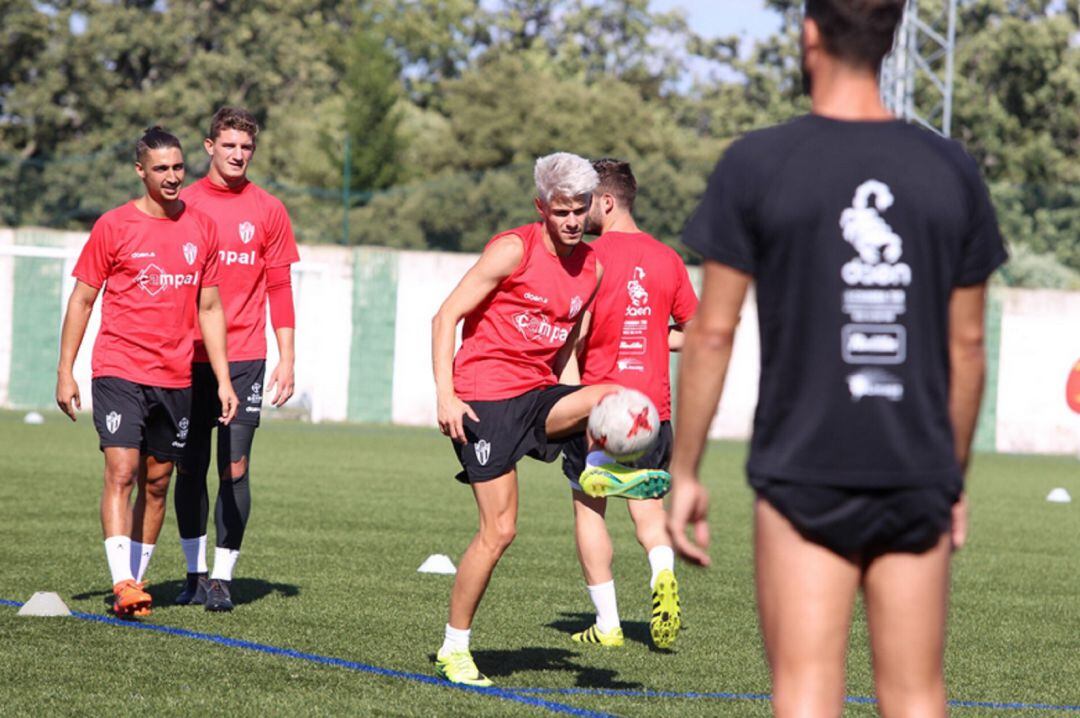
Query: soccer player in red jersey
[869, 242]
[158, 261]
[499, 399]
[625, 338]
[256, 250]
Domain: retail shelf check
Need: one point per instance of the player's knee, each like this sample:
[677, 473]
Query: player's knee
[500, 535]
[121, 473]
[237, 469]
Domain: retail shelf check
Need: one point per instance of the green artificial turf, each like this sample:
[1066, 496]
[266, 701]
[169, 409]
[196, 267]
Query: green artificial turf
[343, 516]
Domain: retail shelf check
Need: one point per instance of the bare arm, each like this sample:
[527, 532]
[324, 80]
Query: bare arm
[283, 378]
[676, 337]
[498, 261]
[212, 325]
[967, 365]
[80, 305]
[705, 357]
[967, 374]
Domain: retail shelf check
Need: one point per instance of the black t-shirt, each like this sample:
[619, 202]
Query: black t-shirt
[856, 234]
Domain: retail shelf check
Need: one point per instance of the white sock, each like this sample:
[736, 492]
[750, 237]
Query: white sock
[660, 558]
[607, 609]
[118, 554]
[224, 560]
[598, 458]
[140, 558]
[457, 639]
[195, 553]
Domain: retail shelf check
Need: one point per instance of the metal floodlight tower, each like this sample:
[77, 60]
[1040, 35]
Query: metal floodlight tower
[917, 76]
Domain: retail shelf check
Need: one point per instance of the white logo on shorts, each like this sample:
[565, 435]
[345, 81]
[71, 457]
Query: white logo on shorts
[112, 422]
[183, 426]
[247, 232]
[190, 252]
[255, 397]
[483, 451]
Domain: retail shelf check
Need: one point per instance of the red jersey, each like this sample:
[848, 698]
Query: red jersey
[152, 269]
[510, 341]
[645, 284]
[255, 234]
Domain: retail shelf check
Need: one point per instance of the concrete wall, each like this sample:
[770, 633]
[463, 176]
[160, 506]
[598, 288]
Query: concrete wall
[364, 342]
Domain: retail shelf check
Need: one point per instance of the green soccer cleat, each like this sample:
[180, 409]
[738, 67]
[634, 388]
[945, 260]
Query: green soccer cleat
[592, 634]
[617, 480]
[459, 667]
[666, 613]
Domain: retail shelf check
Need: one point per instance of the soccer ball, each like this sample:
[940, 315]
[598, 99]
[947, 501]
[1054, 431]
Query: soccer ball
[625, 424]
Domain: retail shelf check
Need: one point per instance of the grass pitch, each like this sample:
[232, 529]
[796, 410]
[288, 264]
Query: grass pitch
[342, 517]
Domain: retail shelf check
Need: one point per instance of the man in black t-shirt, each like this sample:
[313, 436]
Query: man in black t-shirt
[870, 242]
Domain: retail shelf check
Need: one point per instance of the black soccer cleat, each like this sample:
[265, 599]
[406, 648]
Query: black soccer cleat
[194, 590]
[217, 596]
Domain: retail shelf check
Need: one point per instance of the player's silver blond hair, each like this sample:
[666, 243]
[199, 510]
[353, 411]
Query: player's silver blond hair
[564, 175]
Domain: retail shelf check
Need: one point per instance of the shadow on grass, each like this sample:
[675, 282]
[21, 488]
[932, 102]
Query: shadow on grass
[243, 590]
[636, 631]
[500, 664]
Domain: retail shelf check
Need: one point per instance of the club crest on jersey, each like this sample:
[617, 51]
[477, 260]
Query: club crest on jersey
[483, 451]
[183, 426]
[247, 232]
[190, 252]
[575, 306]
[112, 422]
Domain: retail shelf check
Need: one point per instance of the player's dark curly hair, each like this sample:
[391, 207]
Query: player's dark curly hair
[233, 118]
[155, 138]
[859, 32]
[616, 179]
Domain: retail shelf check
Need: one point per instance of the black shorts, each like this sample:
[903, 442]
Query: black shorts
[863, 522]
[152, 419]
[509, 429]
[658, 457]
[247, 381]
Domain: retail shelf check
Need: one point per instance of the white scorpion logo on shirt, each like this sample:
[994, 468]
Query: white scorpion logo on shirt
[864, 228]
[639, 296]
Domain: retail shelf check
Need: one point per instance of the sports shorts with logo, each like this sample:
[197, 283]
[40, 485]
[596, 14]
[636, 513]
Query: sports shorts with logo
[508, 430]
[247, 381]
[864, 522]
[658, 457]
[152, 419]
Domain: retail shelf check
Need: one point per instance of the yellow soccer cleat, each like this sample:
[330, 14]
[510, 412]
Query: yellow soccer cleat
[592, 634]
[459, 667]
[666, 612]
[624, 482]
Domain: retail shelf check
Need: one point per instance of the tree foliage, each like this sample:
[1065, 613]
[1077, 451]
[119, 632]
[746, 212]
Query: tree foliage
[446, 103]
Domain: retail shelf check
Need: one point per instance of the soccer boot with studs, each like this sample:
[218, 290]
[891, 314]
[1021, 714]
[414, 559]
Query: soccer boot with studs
[459, 667]
[616, 480]
[592, 634]
[666, 617]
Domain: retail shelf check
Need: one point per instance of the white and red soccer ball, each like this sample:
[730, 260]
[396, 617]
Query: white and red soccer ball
[625, 424]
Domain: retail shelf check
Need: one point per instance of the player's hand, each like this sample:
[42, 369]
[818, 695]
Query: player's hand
[282, 382]
[959, 523]
[67, 395]
[688, 508]
[229, 403]
[452, 412]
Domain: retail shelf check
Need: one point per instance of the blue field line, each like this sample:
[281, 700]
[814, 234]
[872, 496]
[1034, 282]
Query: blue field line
[337, 662]
[517, 695]
[700, 695]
